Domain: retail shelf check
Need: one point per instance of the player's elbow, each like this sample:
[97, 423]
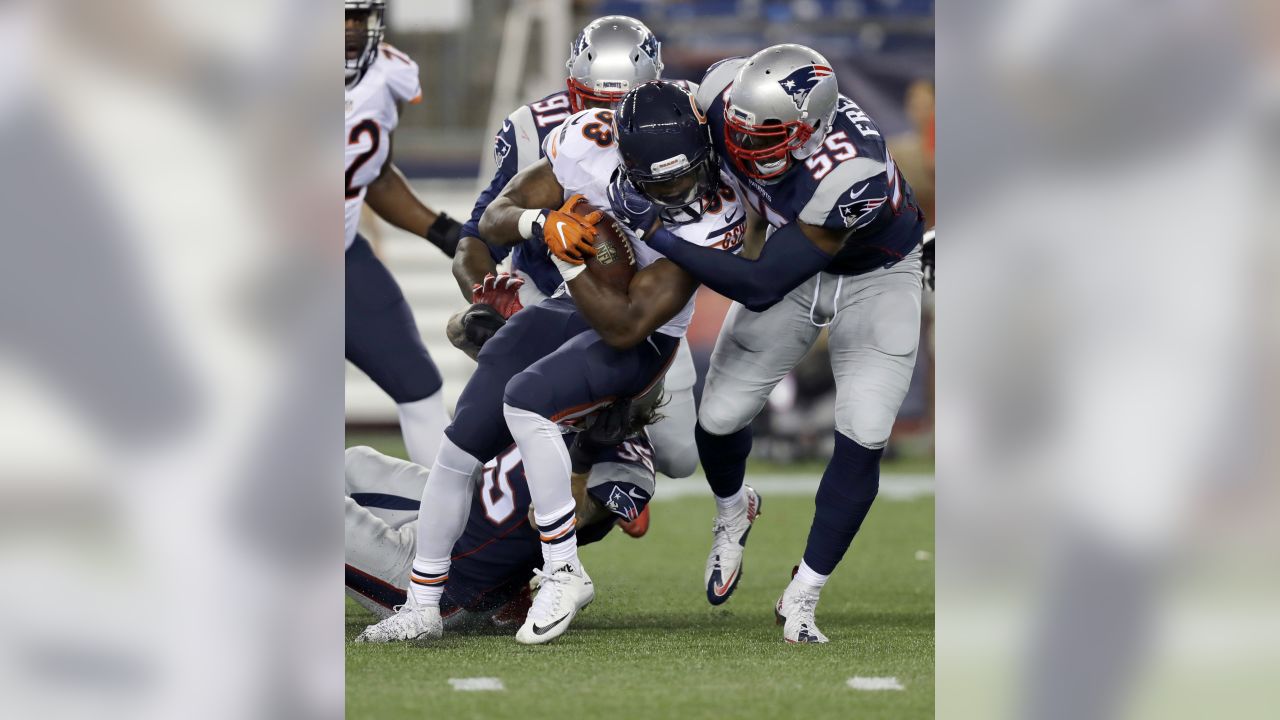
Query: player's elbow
[761, 296]
[624, 335]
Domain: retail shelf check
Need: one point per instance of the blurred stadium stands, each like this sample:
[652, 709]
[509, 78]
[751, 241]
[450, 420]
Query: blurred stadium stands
[878, 48]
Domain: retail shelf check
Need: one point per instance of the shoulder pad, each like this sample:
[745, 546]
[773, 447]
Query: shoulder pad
[570, 140]
[401, 74]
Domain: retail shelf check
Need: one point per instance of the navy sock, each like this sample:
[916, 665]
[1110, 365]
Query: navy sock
[846, 492]
[724, 458]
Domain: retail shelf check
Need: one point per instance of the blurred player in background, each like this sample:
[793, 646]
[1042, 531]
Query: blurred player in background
[499, 551]
[382, 335]
[611, 55]
[559, 360]
[844, 254]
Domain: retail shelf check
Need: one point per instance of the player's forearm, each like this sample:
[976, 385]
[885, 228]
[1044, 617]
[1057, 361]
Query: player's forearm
[786, 261]
[619, 321]
[471, 263]
[391, 197]
[501, 221]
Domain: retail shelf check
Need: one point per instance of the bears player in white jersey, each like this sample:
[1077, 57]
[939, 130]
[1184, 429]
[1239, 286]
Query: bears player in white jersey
[610, 56]
[844, 254]
[381, 335]
[570, 354]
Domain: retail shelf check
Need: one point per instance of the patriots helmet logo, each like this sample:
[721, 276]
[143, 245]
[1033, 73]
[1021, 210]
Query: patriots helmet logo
[859, 211]
[802, 81]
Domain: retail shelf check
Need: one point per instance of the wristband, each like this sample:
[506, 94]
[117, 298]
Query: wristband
[568, 270]
[528, 219]
[445, 233]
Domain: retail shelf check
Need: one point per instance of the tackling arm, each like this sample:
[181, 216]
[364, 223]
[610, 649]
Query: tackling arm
[471, 263]
[793, 254]
[624, 320]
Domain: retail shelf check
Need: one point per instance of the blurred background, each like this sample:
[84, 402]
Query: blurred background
[481, 60]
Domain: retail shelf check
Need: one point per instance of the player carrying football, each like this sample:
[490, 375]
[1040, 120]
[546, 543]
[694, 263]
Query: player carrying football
[611, 55]
[381, 335]
[566, 356]
[843, 254]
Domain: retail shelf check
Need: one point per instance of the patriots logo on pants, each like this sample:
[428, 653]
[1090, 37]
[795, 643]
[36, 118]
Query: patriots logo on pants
[802, 81]
[622, 504]
[854, 213]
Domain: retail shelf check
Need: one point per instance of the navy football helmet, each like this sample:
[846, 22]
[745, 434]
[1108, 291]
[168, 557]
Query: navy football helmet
[666, 149]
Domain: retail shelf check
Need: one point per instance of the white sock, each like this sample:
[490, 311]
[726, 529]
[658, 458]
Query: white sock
[734, 504]
[558, 531]
[446, 500]
[547, 468]
[422, 423]
[810, 577]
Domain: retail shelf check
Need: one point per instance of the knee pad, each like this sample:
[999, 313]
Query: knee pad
[529, 391]
[676, 460]
[720, 415]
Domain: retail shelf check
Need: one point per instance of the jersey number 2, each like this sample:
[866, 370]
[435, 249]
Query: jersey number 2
[374, 132]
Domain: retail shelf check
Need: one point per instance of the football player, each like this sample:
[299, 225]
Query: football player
[574, 352]
[843, 254]
[499, 551]
[610, 56]
[382, 337]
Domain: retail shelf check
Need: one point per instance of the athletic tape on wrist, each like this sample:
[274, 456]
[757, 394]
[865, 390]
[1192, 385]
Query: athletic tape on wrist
[525, 225]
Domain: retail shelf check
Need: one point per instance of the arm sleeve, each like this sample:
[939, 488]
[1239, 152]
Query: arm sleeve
[787, 260]
[506, 158]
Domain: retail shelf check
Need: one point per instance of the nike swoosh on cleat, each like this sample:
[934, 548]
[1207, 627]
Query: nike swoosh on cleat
[546, 628]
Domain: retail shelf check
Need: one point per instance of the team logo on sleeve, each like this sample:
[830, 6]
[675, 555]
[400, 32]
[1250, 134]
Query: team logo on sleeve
[622, 504]
[501, 148]
[859, 210]
[802, 81]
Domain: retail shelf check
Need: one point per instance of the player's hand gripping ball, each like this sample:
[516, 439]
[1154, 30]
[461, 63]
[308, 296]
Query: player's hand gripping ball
[613, 261]
[501, 292]
[568, 234]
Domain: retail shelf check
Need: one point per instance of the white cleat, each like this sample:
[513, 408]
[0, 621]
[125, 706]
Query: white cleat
[794, 613]
[729, 539]
[561, 595]
[411, 622]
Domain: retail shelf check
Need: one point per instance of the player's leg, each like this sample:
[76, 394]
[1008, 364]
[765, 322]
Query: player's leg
[378, 559]
[478, 433]
[753, 353]
[873, 342]
[388, 487]
[674, 449]
[573, 381]
[382, 340]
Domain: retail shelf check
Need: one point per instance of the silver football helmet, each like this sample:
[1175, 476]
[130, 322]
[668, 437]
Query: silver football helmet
[365, 28]
[780, 108]
[611, 55]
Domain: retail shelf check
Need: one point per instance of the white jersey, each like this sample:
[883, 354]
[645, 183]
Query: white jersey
[584, 156]
[372, 116]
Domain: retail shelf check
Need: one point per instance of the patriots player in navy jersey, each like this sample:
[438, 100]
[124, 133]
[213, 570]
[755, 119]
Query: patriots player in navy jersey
[499, 550]
[843, 253]
[610, 56]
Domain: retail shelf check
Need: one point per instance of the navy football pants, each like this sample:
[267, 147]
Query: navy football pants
[382, 336]
[548, 360]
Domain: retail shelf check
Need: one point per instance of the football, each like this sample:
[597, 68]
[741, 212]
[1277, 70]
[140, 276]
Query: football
[614, 262]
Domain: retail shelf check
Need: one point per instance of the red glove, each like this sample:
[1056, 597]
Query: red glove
[501, 292]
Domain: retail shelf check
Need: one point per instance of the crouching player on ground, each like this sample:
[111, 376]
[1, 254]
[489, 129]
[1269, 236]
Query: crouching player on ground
[499, 550]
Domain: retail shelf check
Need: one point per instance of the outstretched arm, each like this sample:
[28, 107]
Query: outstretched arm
[793, 254]
[471, 264]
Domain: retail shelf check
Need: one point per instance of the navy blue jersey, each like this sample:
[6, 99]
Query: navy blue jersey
[498, 550]
[518, 145]
[850, 185]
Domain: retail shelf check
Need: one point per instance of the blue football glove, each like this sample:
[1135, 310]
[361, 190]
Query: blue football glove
[630, 206]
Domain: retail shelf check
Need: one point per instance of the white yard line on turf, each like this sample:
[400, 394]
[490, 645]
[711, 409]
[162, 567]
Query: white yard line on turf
[892, 487]
[477, 683]
[874, 683]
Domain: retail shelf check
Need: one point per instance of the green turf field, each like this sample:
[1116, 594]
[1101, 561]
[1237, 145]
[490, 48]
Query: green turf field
[651, 647]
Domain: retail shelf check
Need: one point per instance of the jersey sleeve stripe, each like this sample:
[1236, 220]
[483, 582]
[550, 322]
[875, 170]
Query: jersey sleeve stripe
[835, 185]
[526, 136]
